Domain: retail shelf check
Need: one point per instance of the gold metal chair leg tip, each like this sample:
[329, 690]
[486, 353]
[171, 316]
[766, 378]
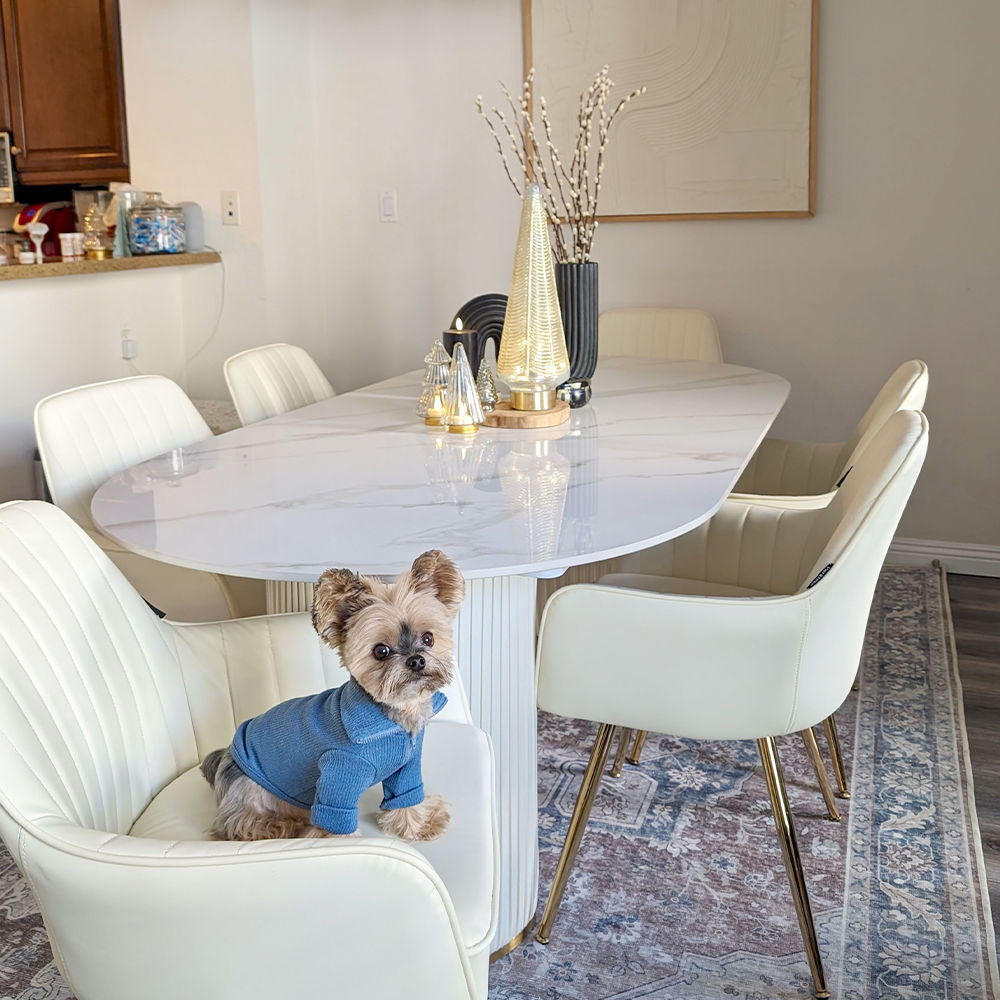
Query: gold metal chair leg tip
[821, 994]
[544, 939]
[833, 817]
[843, 795]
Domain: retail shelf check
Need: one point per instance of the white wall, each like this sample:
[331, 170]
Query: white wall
[900, 261]
[62, 332]
[310, 107]
[192, 129]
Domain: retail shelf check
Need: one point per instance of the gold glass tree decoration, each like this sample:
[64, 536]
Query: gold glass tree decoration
[533, 358]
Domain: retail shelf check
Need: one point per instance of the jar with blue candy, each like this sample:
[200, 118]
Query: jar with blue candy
[155, 227]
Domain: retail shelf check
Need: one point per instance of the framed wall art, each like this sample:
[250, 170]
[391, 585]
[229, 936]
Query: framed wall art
[727, 125]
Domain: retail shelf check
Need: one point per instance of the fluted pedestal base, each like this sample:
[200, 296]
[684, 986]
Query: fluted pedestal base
[495, 650]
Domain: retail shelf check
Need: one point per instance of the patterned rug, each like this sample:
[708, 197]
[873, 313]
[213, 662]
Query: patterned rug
[679, 892]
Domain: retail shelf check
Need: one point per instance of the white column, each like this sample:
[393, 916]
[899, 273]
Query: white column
[287, 595]
[495, 651]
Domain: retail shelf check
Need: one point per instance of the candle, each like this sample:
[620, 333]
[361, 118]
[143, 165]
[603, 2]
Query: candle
[435, 412]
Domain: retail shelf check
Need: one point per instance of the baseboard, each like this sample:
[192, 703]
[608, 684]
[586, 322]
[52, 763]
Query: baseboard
[956, 557]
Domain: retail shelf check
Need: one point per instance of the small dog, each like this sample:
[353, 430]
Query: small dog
[299, 769]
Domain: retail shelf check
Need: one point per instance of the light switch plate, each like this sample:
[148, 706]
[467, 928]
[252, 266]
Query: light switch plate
[387, 207]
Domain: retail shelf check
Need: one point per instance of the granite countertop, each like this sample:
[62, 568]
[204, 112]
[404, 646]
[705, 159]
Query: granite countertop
[18, 272]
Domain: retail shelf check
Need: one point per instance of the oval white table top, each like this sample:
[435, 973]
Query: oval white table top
[358, 480]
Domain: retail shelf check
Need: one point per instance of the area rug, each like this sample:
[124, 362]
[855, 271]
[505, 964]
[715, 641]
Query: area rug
[679, 892]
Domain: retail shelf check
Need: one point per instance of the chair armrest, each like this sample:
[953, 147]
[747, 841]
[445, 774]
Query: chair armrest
[700, 667]
[257, 920]
[234, 670]
[811, 501]
[791, 468]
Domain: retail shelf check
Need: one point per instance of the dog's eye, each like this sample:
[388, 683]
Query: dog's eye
[427, 639]
[381, 651]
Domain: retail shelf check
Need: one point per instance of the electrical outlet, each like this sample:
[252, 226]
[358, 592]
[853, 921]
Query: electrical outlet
[230, 208]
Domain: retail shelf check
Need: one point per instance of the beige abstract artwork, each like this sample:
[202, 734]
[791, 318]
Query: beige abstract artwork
[725, 127]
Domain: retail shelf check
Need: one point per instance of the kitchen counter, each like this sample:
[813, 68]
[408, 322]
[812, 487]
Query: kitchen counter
[17, 272]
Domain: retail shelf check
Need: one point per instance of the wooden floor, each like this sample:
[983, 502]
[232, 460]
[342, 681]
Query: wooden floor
[975, 608]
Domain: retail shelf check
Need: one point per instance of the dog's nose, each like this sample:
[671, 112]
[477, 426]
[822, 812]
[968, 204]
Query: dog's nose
[416, 663]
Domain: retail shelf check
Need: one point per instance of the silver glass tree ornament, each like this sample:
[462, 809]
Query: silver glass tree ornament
[463, 411]
[432, 395]
[486, 387]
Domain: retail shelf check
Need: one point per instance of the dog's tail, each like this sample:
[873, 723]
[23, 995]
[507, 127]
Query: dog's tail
[210, 765]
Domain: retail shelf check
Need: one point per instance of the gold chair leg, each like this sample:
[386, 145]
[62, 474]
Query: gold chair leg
[833, 741]
[616, 767]
[640, 740]
[577, 824]
[793, 863]
[812, 747]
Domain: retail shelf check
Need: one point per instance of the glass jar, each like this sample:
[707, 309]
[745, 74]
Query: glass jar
[155, 227]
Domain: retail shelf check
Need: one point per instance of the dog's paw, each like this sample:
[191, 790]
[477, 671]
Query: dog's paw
[426, 821]
[312, 832]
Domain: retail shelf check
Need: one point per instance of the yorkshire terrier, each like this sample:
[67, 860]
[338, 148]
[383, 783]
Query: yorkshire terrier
[299, 769]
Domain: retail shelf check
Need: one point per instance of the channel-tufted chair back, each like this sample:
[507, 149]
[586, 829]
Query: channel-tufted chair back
[94, 719]
[664, 334]
[267, 381]
[87, 434]
[905, 389]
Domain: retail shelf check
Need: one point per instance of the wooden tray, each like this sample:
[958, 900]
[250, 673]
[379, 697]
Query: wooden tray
[506, 416]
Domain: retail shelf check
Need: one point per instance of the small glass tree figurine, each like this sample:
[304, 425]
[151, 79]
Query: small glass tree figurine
[462, 407]
[432, 396]
[486, 387]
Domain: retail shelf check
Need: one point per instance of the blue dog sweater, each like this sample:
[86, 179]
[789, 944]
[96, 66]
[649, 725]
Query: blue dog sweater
[322, 751]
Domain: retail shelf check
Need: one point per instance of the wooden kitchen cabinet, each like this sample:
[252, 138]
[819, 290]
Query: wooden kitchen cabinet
[65, 90]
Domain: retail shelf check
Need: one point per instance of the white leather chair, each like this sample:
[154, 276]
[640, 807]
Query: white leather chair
[267, 381]
[804, 474]
[752, 629]
[653, 332]
[88, 434]
[105, 713]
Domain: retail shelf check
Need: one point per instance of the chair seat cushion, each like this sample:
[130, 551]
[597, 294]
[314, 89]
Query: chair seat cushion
[678, 585]
[456, 765]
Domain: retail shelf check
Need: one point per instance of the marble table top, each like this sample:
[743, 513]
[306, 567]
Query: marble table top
[358, 480]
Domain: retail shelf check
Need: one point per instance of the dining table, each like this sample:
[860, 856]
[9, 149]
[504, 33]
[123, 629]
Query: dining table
[360, 481]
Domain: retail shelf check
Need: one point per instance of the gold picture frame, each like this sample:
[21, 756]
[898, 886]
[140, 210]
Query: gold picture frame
[772, 43]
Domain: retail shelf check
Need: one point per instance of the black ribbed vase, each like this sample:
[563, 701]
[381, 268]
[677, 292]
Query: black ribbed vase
[577, 288]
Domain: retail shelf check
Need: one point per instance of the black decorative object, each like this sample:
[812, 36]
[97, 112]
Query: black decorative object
[482, 320]
[575, 392]
[577, 287]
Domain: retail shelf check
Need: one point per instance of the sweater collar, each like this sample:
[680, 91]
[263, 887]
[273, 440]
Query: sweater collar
[363, 718]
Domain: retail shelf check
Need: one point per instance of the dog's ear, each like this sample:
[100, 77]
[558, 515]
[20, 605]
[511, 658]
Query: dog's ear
[339, 595]
[435, 573]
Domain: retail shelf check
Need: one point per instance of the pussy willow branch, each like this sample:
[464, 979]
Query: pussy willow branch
[570, 195]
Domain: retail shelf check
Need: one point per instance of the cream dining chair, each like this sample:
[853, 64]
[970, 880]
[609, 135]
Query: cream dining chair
[761, 617]
[806, 474]
[87, 434]
[662, 333]
[268, 381]
[106, 711]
